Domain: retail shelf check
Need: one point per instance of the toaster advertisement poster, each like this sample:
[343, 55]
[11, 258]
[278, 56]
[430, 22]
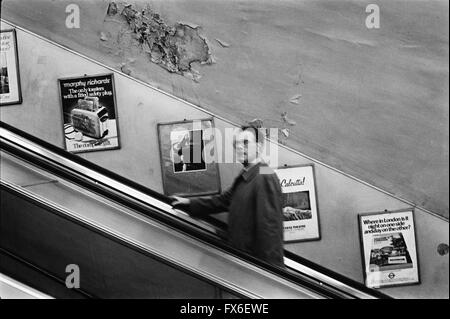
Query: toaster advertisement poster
[89, 113]
[301, 216]
[389, 248]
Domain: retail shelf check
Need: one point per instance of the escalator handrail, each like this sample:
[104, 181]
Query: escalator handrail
[90, 172]
[220, 252]
[23, 289]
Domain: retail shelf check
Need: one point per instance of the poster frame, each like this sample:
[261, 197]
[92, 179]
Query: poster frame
[115, 111]
[16, 55]
[319, 232]
[163, 175]
[361, 242]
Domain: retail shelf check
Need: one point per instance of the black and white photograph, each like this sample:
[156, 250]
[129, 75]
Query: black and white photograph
[186, 145]
[89, 113]
[296, 206]
[4, 89]
[10, 91]
[196, 154]
[389, 252]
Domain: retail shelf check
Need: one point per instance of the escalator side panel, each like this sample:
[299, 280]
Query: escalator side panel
[115, 210]
[15, 173]
[108, 269]
[36, 278]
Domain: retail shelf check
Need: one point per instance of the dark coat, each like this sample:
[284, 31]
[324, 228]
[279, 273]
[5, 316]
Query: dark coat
[254, 203]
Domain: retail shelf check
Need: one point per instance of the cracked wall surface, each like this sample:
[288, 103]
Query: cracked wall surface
[371, 103]
[173, 47]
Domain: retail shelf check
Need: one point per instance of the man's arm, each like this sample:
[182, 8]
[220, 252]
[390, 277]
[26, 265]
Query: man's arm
[202, 206]
[269, 220]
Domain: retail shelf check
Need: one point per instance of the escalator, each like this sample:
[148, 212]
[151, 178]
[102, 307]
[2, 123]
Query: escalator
[13, 289]
[59, 211]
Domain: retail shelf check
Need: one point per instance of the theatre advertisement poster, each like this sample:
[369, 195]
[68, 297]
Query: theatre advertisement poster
[89, 113]
[188, 158]
[301, 216]
[389, 248]
[9, 69]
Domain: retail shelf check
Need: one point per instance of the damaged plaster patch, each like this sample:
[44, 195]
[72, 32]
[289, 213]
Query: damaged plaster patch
[103, 36]
[295, 99]
[125, 69]
[112, 9]
[442, 249]
[286, 120]
[223, 43]
[283, 131]
[174, 48]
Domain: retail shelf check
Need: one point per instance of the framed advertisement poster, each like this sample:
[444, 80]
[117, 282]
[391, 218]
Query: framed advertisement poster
[89, 113]
[10, 92]
[185, 169]
[301, 215]
[388, 247]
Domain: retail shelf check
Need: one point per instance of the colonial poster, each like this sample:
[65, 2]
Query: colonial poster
[185, 169]
[89, 113]
[301, 216]
[10, 92]
[389, 248]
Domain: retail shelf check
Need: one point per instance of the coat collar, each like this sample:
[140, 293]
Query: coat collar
[249, 174]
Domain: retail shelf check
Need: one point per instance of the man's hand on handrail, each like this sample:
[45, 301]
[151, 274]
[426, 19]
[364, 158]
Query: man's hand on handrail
[180, 202]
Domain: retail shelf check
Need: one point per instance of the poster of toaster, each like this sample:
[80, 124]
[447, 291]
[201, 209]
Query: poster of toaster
[389, 249]
[89, 113]
[9, 69]
[301, 216]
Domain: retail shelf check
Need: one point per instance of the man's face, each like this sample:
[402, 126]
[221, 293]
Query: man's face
[246, 147]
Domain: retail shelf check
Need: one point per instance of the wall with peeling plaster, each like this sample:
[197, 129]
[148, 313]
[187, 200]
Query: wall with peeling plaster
[372, 103]
[140, 108]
